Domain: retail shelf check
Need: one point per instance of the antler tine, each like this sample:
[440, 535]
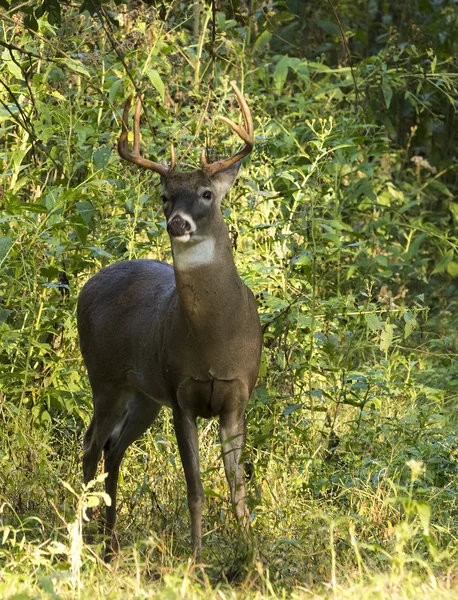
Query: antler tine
[246, 133]
[137, 138]
[135, 156]
[249, 129]
[173, 159]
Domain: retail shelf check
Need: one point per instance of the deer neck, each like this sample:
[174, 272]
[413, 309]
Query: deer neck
[208, 285]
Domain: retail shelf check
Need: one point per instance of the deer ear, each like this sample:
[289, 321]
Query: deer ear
[224, 180]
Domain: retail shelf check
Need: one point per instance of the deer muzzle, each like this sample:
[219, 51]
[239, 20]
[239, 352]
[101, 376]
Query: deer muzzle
[179, 227]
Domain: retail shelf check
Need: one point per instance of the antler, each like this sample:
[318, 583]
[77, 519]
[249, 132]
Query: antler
[246, 133]
[135, 156]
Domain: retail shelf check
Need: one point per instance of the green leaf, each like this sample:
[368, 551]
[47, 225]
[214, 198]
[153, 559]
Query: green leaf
[424, 514]
[76, 67]
[303, 259]
[101, 157]
[387, 337]
[411, 323]
[290, 409]
[6, 532]
[14, 69]
[30, 22]
[373, 322]
[5, 245]
[328, 27]
[92, 500]
[414, 247]
[387, 92]
[303, 72]
[114, 89]
[4, 314]
[100, 252]
[262, 40]
[442, 265]
[157, 82]
[281, 72]
[441, 187]
[452, 268]
[86, 211]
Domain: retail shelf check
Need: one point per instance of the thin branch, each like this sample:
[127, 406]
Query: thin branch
[347, 52]
[104, 20]
[26, 124]
[11, 47]
[26, 79]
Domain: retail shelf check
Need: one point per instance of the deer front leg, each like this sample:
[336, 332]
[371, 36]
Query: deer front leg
[188, 444]
[232, 435]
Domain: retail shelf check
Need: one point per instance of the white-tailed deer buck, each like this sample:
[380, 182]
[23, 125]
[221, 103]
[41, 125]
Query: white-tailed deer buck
[185, 336]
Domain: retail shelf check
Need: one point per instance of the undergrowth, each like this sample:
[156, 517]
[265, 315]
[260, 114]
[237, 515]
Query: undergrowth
[344, 226]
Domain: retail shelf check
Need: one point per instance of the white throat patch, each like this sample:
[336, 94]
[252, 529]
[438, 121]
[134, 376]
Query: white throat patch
[191, 255]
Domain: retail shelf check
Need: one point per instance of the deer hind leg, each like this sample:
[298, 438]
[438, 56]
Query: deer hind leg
[139, 415]
[109, 404]
[108, 407]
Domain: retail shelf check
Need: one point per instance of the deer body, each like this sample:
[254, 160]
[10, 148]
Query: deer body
[187, 337]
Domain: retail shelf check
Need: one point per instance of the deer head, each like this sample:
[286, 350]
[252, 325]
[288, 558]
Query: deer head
[192, 200]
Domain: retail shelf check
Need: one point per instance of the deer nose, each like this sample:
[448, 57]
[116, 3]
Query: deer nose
[177, 226]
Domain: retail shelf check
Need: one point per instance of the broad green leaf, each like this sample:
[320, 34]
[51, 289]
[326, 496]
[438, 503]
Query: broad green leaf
[303, 72]
[86, 211]
[6, 532]
[329, 27]
[411, 323]
[304, 321]
[414, 246]
[424, 514]
[316, 66]
[5, 245]
[373, 322]
[30, 22]
[114, 89]
[292, 408]
[443, 263]
[58, 95]
[387, 337]
[4, 314]
[387, 92]
[18, 156]
[303, 259]
[452, 268]
[101, 157]
[157, 82]
[92, 500]
[77, 67]
[281, 72]
[262, 40]
[441, 187]
[106, 498]
[57, 548]
[14, 69]
[100, 251]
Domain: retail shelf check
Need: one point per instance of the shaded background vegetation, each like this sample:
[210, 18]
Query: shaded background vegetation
[344, 225]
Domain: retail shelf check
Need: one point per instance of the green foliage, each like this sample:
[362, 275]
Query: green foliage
[344, 225]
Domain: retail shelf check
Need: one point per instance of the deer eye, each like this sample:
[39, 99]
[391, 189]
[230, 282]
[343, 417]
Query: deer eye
[164, 198]
[207, 195]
